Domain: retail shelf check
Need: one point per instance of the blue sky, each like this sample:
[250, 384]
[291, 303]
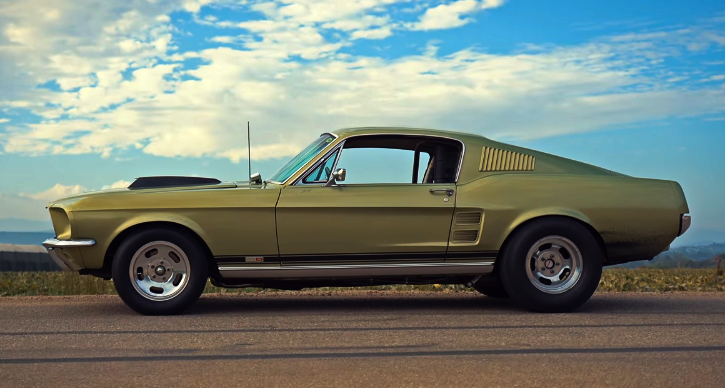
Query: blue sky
[96, 93]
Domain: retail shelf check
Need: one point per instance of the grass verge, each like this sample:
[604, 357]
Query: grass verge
[618, 280]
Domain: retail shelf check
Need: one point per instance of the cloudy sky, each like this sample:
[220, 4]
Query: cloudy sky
[94, 93]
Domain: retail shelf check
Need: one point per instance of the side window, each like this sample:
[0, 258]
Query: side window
[381, 165]
[322, 173]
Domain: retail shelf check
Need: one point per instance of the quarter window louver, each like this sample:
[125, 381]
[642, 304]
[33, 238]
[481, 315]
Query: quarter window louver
[494, 159]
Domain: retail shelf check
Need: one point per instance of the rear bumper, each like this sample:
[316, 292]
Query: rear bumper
[685, 222]
[55, 248]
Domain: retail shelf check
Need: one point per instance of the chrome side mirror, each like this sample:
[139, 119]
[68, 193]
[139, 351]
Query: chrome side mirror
[255, 179]
[337, 176]
[340, 174]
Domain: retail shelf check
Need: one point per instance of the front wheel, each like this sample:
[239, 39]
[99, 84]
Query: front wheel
[551, 265]
[159, 271]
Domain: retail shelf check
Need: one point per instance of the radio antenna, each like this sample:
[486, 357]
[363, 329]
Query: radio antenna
[249, 149]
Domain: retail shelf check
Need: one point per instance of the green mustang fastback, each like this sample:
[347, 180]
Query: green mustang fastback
[413, 206]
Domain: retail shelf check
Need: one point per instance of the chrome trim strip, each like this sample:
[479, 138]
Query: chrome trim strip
[55, 243]
[356, 270]
[685, 223]
[460, 159]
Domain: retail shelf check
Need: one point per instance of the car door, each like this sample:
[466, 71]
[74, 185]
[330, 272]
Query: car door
[362, 222]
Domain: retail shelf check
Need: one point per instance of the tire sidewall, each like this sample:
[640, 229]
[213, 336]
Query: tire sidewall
[514, 261]
[198, 272]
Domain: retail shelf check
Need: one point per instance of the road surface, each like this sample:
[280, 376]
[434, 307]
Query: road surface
[365, 338]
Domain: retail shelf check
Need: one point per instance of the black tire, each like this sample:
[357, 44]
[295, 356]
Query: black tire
[492, 291]
[514, 261]
[197, 272]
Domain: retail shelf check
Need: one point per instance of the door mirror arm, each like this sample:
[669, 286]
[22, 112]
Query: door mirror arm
[337, 176]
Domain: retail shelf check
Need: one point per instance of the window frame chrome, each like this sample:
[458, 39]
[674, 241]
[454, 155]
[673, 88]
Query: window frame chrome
[334, 135]
[299, 179]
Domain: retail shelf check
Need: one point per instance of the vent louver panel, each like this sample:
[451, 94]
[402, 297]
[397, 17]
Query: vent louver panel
[468, 218]
[465, 236]
[493, 159]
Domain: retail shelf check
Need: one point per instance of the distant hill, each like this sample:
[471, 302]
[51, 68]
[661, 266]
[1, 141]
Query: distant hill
[697, 256]
[25, 238]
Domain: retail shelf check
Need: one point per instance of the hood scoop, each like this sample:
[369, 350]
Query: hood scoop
[151, 182]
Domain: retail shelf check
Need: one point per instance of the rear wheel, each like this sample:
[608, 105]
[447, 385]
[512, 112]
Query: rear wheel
[551, 265]
[159, 271]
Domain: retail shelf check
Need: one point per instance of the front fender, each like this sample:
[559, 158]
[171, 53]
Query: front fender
[105, 227]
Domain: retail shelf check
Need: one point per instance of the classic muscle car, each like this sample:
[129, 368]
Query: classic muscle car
[425, 207]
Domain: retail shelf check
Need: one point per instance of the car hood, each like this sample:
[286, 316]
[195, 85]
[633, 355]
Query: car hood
[125, 191]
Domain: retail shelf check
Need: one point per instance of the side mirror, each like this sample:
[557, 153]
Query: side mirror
[337, 176]
[255, 179]
[340, 174]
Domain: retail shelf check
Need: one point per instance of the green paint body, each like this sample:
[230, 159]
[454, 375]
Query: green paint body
[636, 218]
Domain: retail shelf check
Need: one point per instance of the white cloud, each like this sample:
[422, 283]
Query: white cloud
[224, 39]
[534, 94]
[488, 4]
[117, 185]
[295, 28]
[451, 15]
[164, 110]
[375, 33]
[56, 192]
[67, 41]
[4, 120]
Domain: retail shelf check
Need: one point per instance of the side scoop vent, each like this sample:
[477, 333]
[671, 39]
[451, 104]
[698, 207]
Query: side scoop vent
[494, 159]
[468, 218]
[465, 236]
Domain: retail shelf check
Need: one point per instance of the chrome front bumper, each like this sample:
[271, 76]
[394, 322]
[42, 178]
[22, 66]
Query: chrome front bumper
[52, 244]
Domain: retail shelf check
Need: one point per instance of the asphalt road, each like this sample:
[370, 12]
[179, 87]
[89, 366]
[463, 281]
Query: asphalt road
[365, 339]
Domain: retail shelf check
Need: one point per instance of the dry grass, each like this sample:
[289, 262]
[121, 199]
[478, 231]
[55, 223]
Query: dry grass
[621, 280]
[661, 280]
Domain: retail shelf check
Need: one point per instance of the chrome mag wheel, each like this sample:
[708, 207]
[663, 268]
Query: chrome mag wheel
[554, 264]
[159, 270]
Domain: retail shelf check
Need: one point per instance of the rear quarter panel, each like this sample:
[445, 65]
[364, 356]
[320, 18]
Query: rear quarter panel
[637, 218]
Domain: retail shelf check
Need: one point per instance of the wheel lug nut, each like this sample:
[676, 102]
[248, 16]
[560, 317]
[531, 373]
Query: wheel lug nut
[558, 263]
[543, 269]
[163, 278]
[552, 271]
[153, 276]
[152, 267]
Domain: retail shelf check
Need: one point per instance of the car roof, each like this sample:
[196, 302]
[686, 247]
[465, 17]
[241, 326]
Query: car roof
[462, 136]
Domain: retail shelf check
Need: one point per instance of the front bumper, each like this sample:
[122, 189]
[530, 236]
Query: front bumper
[53, 245]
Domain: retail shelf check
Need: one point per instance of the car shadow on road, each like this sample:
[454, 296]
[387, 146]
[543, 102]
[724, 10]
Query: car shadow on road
[453, 304]
[411, 305]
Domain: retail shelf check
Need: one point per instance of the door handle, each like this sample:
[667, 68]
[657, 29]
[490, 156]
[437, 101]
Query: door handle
[447, 191]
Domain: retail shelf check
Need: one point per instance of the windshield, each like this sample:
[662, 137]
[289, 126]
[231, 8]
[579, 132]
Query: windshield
[301, 159]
